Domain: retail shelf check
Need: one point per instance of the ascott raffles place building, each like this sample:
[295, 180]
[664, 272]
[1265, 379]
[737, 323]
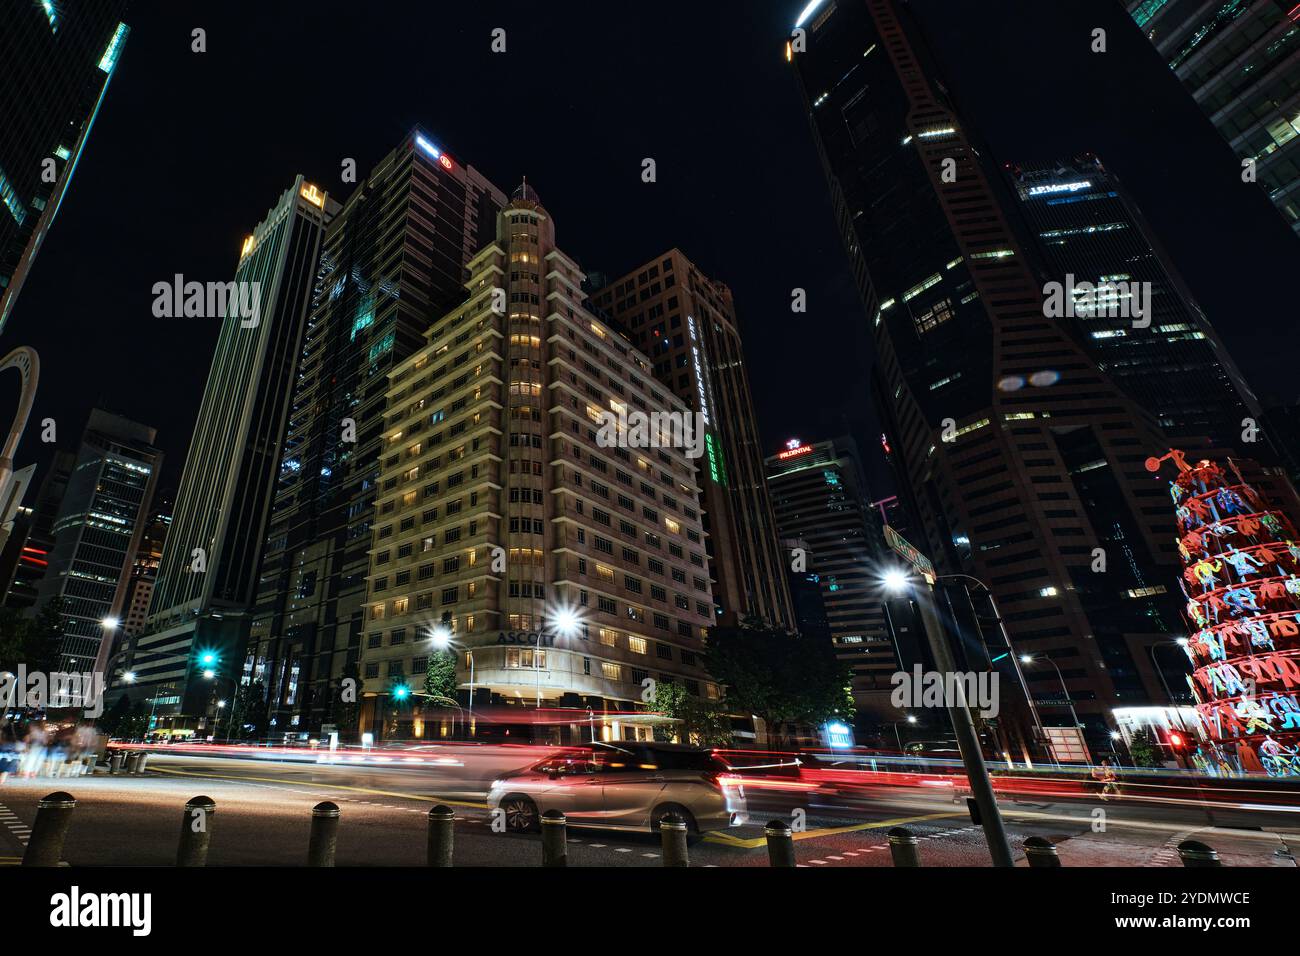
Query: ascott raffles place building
[564, 574]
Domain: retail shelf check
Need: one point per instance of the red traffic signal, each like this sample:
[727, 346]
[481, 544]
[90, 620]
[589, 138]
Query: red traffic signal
[1177, 741]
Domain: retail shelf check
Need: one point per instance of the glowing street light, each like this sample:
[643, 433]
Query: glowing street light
[129, 677]
[566, 622]
[109, 622]
[440, 635]
[896, 580]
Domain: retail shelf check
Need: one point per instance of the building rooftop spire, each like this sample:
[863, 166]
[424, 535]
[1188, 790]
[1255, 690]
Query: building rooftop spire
[525, 193]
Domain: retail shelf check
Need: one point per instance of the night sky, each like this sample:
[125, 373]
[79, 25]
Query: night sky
[190, 151]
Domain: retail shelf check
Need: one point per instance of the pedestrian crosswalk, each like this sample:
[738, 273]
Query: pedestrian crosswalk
[849, 856]
[19, 830]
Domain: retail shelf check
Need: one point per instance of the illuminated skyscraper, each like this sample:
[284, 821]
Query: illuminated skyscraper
[1021, 460]
[206, 581]
[1238, 59]
[1090, 235]
[97, 534]
[687, 324]
[820, 497]
[56, 61]
[393, 260]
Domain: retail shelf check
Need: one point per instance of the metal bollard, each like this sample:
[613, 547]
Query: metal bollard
[672, 830]
[115, 762]
[1195, 853]
[555, 850]
[53, 815]
[902, 847]
[780, 843]
[144, 760]
[132, 762]
[1040, 852]
[442, 831]
[196, 832]
[324, 834]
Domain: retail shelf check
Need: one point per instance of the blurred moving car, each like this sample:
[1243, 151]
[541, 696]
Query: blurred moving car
[624, 785]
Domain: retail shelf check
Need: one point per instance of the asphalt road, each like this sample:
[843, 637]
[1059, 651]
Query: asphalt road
[264, 811]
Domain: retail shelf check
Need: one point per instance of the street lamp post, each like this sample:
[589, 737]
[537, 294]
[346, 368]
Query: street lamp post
[1155, 663]
[1069, 701]
[1006, 639]
[963, 726]
[208, 660]
[909, 719]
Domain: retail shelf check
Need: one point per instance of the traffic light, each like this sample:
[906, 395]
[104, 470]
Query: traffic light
[1177, 741]
[401, 692]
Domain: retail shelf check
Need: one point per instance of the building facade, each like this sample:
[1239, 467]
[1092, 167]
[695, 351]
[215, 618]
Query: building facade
[144, 574]
[35, 542]
[97, 533]
[820, 496]
[207, 578]
[1240, 60]
[1020, 458]
[566, 562]
[687, 324]
[392, 260]
[1101, 253]
[56, 62]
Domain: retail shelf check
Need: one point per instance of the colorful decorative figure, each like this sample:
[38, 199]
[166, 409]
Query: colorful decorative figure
[1244, 642]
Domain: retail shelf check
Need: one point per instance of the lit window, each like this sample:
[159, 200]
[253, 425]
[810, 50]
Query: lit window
[109, 60]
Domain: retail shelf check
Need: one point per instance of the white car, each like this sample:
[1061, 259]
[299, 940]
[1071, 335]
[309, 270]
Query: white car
[625, 786]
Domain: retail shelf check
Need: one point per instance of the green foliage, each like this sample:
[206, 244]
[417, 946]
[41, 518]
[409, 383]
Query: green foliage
[32, 641]
[704, 723]
[135, 725]
[115, 717]
[1143, 750]
[440, 674]
[779, 676]
[248, 717]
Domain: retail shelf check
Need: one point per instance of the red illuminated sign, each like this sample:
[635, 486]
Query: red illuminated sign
[793, 450]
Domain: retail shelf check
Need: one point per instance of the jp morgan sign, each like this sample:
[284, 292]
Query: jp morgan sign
[530, 638]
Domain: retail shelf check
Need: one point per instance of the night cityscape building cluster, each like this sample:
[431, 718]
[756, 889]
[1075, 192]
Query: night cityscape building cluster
[453, 480]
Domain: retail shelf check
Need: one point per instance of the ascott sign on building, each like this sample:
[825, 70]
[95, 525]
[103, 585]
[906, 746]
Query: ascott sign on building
[530, 638]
